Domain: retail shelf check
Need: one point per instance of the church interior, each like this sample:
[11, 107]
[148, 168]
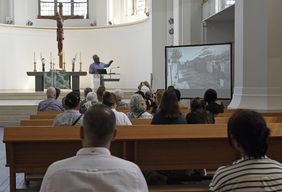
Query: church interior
[39, 49]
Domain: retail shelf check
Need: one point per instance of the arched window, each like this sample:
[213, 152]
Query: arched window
[70, 7]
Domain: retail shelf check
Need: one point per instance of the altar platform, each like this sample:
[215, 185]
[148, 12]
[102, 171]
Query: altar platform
[16, 105]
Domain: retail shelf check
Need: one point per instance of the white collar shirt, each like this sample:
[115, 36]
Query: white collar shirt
[93, 169]
[121, 118]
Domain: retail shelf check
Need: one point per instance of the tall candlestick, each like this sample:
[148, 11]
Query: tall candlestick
[80, 57]
[34, 57]
[50, 57]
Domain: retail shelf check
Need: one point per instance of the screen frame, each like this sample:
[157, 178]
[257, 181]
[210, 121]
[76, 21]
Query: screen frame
[198, 45]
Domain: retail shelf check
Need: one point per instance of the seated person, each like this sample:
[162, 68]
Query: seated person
[94, 168]
[198, 114]
[180, 102]
[212, 106]
[86, 91]
[248, 134]
[119, 96]
[100, 91]
[58, 92]
[109, 99]
[51, 103]
[71, 115]
[169, 111]
[91, 99]
[137, 107]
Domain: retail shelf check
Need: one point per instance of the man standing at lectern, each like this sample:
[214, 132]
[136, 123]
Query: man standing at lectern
[97, 65]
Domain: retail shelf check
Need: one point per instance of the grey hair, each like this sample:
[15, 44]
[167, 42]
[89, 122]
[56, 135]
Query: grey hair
[137, 103]
[119, 94]
[51, 92]
[91, 96]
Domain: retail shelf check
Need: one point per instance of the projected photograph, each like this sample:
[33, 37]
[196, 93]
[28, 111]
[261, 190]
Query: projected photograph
[199, 67]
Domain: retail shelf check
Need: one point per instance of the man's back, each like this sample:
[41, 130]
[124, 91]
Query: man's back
[94, 169]
[50, 104]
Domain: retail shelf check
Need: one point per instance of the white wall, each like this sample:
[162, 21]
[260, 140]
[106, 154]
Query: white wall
[28, 10]
[129, 47]
[187, 30]
[220, 31]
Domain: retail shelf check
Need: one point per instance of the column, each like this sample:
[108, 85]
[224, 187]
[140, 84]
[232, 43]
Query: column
[258, 55]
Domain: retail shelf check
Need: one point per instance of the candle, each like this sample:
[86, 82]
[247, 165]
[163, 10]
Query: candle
[33, 57]
[50, 57]
[80, 57]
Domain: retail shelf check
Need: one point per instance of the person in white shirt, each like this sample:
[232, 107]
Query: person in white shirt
[109, 99]
[94, 168]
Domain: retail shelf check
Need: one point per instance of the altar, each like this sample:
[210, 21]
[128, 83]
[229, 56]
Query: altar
[56, 78]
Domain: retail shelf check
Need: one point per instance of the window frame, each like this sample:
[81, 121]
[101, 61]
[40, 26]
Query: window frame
[56, 5]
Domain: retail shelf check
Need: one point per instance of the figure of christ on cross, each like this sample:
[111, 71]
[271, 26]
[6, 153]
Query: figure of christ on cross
[60, 29]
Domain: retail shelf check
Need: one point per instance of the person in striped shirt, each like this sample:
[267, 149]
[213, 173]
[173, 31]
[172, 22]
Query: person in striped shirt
[248, 134]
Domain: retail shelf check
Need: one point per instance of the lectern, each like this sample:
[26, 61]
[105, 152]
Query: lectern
[102, 73]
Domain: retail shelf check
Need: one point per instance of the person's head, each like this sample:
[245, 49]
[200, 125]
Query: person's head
[86, 91]
[99, 126]
[210, 96]
[197, 104]
[170, 88]
[137, 104]
[248, 133]
[119, 94]
[178, 94]
[109, 99]
[51, 92]
[96, 58]
[100, 91]
[140, 93]
[72, 100]
[58, 92]
[159, 95]
[169, 105]
[148, 95]
[92, 97]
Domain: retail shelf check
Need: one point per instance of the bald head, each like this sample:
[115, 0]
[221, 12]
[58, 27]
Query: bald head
[51, 92]
[99, 124]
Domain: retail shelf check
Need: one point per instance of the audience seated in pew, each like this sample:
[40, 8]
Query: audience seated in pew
[71, 115]
[58, 92]
[91, 99]
[212, 106]
[100, 91]
[119, 96]
[198, 114]
[109, 99]
[93, 168]
[137, 108]
[86, 91]
[169, 111]
[248, 134]
[51, 103]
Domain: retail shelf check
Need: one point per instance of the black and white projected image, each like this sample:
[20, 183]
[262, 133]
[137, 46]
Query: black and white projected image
[199, 67]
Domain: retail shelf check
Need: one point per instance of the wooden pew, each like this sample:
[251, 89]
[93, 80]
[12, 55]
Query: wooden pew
[152, 147]
[36, 122]
[44, 116]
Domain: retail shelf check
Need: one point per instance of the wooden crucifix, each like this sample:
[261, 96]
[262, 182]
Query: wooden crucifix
[60, 29]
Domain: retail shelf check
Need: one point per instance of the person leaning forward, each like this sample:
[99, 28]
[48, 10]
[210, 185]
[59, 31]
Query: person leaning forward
[94, 168]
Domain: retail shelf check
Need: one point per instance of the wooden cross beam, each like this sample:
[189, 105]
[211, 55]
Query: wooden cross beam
[59, 17]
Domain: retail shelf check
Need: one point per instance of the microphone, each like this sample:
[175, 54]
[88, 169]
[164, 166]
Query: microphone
[115, 67]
